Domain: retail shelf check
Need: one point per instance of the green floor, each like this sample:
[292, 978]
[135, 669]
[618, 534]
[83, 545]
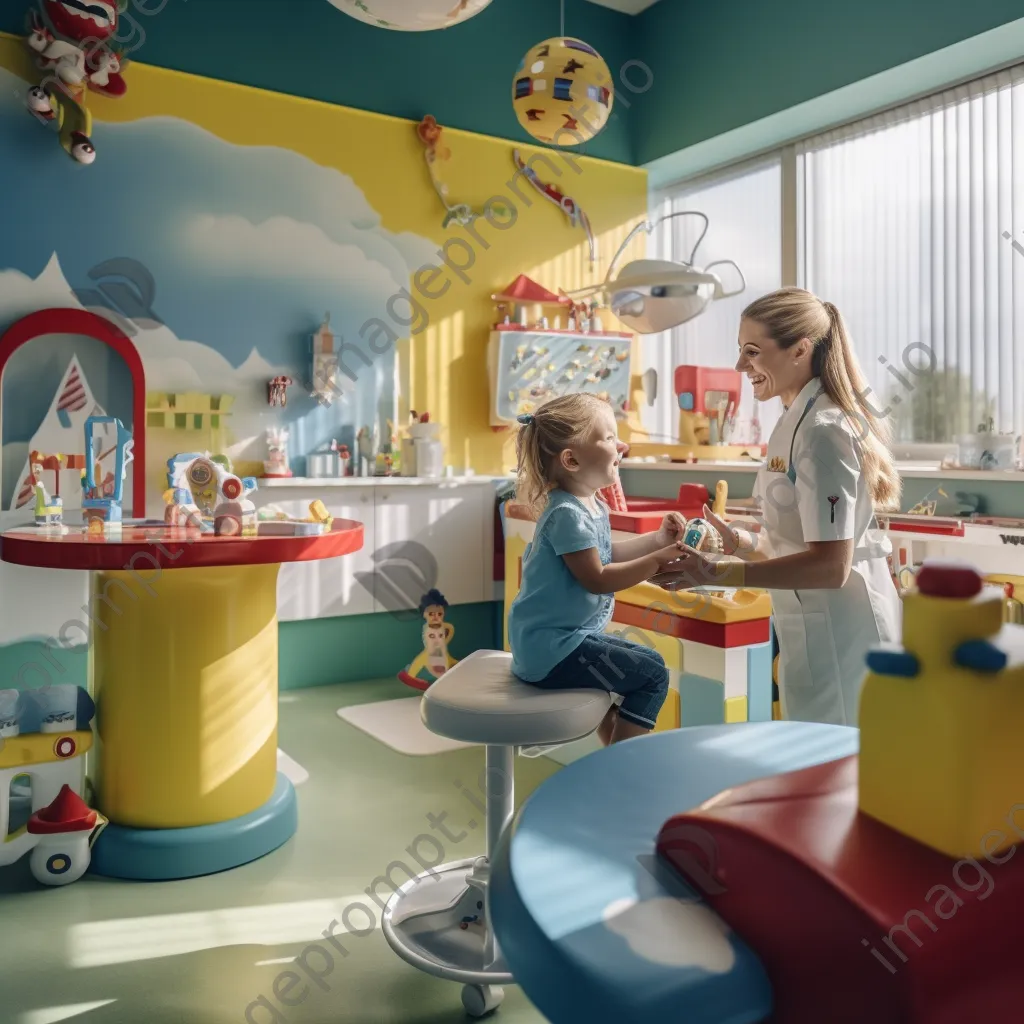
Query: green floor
[196, 952]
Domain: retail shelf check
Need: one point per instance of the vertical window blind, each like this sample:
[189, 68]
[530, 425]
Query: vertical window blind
[744, 212]
[912, 223]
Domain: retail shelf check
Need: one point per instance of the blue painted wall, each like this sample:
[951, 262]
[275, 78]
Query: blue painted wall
[463, 75]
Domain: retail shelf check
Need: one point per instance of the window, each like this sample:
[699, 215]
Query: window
[911, 223]
[744, 211]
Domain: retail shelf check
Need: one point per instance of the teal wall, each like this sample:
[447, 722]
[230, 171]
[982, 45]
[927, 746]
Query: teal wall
[718, 67]
[463, 75]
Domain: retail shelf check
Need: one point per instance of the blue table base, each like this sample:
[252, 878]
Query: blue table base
[158, 855]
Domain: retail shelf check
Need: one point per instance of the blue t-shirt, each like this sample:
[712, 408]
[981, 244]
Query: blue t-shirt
[553, 611]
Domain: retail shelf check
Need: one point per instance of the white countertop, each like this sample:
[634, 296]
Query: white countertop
[315, 482]
[907, 470]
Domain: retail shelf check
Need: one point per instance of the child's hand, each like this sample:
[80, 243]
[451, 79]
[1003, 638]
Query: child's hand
[668, 556]
[694, 569]
[673, 526]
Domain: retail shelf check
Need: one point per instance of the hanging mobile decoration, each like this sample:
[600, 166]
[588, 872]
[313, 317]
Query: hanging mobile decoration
[429, 132]
[562, 91]
[568, 206]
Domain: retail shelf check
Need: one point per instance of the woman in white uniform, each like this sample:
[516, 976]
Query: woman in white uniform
[828, 469]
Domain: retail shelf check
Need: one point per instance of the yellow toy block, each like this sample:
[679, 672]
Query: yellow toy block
[735, 709]
[718, 606]
[941, 717]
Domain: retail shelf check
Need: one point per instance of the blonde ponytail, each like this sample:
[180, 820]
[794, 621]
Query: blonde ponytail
[543, 436]
[844, 383]
[791, 314]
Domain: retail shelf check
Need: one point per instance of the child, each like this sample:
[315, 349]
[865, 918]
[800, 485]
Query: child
[567, 451]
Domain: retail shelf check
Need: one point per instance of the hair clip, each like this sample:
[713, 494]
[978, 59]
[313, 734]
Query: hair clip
[526, 418]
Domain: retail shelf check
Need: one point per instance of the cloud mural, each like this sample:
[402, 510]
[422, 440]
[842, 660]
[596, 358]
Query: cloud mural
[246, 248]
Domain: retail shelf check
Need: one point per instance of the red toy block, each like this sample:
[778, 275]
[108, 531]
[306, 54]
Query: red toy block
[854, 922]
[636, 522]
[699, 630]
[938, 578]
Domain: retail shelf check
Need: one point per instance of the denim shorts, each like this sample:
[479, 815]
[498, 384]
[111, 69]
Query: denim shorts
[611, 663]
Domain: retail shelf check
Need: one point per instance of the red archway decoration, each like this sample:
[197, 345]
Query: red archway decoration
[91, 325]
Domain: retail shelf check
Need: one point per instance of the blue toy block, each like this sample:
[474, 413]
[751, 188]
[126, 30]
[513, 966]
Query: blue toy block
[981, 655]
[893, 661]
[701, 700]
[759, 682]
[686, 401]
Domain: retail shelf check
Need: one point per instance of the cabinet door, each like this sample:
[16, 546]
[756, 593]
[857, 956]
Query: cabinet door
[433, 536]
[332, 586]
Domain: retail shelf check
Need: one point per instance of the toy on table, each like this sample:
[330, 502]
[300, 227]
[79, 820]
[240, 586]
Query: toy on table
[277, 390]
[72, 44]
[274, 523]
[880, 850]
[102, 505]
[49, 509]
[434, 660]
[203, 493]
[45, 736]
[276, 465]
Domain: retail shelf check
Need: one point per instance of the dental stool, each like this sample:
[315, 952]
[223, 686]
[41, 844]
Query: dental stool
[439, 921]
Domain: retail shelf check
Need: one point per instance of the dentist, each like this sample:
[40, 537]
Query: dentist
[819, 550]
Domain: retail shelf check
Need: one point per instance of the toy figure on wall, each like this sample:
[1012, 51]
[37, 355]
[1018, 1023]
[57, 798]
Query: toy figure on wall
[434, 660]
[568, 206]
[72, 43]
[429, 132]
[277, 390]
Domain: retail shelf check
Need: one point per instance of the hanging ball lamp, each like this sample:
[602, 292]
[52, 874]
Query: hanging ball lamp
[562, 92]
[412, 15]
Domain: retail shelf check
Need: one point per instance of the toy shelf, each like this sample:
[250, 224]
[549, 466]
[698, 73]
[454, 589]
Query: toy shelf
[527, 367]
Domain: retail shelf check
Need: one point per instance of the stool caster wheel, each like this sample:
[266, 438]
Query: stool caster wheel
[479, 1000]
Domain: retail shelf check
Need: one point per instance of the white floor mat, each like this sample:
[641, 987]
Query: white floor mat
[290, 769]
[396, 724]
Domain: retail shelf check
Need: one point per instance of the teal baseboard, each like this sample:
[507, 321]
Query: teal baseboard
[352, 648]
[313, 652]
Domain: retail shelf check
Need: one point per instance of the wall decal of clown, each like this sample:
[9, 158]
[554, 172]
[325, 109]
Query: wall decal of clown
[71, 40]
[434, 660]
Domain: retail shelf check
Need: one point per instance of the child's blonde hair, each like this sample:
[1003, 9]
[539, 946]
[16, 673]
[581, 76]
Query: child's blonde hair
[556, 425]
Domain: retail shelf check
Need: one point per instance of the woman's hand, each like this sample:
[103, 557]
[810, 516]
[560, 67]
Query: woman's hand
[673, 526]
[733, 542]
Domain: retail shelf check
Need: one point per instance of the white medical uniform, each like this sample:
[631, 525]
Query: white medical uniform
[811, 489]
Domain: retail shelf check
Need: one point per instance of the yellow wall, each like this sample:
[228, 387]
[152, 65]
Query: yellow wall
[443, 369]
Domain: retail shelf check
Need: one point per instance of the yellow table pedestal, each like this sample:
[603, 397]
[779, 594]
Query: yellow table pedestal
[184, 675]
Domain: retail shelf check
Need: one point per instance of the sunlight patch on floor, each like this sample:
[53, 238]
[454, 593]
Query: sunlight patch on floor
[127, 940]
[54, 1014]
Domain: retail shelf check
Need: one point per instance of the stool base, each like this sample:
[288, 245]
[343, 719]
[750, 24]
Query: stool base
[438, 923]
[163, 854]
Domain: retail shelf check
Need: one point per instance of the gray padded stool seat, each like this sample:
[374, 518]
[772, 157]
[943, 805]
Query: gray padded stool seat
[439, 921]
[480, 701]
